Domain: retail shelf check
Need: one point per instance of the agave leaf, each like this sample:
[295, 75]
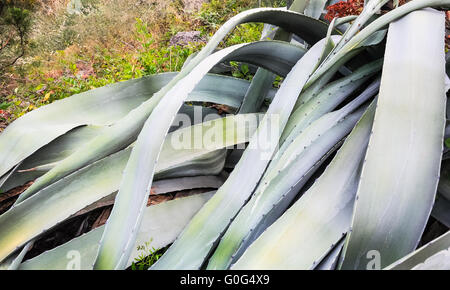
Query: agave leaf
[316, 108]
[5, 177]
[219, 89]
[125, 217]
[286, 174]
[330, 42]
[421, 255]
[123, 132]
[14, 260]
[258, 90]
[207, 226]
[261, 53]
[331, 260]
[318, 84]
[71, 194]
[298, 5]
[263, 79]
[304, 235]
[100, 106]
[328, 99]
[115, 100]
[280, 185]
[314, 89]
[439, 261]
[398, 186]
[161, 225]
[183, 183]
[61, 200]
[48, 156]
[370, 9]
[357, 40]
[315, 8]
[345, 19]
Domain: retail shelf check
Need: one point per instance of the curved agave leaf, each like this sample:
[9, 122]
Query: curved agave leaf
[276, 56]
[328, 99]
[42, 160]
[421, 255]
[314, 112]
[219, 89]
[207, 226]
[13, 138]
[314, 89]
[280, 185]
[112, 138]
[123, 132]
[263, 79]
[115, 100]
[160, 226]
[71, 194]
[5, 177]
[14, 260]
[183, 183]
[439, 261]
[101, 106]
[382, 21]
[259, 88]
[315, 8]
[57, 202]
[304, 235]
[48, 156]
[120, 230]
[371, 8]
[298, 5]
[398, 185]
[331, 260]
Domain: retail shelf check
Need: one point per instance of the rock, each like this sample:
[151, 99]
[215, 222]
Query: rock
[74, 7]
[185, 37]
[192, 5]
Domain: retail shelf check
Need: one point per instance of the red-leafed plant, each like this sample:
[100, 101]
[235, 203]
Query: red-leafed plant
[344, 8]
[353, 7]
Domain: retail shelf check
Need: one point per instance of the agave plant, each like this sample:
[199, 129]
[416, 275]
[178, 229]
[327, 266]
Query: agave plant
[338, 165]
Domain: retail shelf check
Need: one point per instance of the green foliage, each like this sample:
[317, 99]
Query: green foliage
[216, 12]
[14, 27]
[240, 70]
[247, 32]
[277, 81]
[4, 105]
[147, 257]
[156, 59]
[447, 142]
[147, 51]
